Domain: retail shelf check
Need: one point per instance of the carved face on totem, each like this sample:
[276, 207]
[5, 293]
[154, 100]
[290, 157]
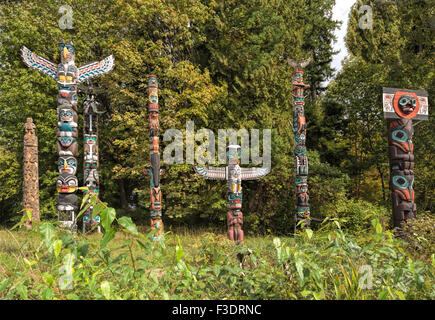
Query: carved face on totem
[90, 139]
[154, 120]
[235, 201]
[66, 183]
[403, 186]
[67, 52]
[66, 114]
[67, 165]
[300, 138]
[67, 96]
[154, 144]
[91, 164]
[298, 76]
[91, 180]
[156, 198]
[406, 104]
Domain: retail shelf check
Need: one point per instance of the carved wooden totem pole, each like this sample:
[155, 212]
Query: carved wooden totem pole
[234, 175]
[30, 172]
[67, 75]
[302, 216]
[401, 106]
[90, 161]
[154, 170]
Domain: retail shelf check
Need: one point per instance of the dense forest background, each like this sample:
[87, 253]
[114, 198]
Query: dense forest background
[222, 64]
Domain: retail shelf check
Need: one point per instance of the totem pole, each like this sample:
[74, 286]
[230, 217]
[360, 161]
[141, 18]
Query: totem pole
[234, 175]
[67, 75]
[401, 106]
[90, 161]
[302, 216]
[30, 172]
[154, 170]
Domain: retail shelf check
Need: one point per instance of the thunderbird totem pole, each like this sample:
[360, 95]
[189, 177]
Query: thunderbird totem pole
[234, 175]
[401, 106]
[302, 216]
[90, 161]
[154, 170]
[30, 172]
[67, 75]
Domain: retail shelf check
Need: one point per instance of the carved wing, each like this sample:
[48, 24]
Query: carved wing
[292, 62]
[212, 173]
[254, 173]
[96, 68]
[39, 63]
[302, 64]
[305, 62]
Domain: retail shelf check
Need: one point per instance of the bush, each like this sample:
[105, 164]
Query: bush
[419, 233]
[355, 215]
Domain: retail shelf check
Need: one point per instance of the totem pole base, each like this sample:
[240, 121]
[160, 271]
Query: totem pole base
[235, 222]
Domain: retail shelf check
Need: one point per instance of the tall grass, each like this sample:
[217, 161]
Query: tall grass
[123, 263]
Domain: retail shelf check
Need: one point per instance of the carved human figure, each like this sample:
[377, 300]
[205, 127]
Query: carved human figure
[234, 175]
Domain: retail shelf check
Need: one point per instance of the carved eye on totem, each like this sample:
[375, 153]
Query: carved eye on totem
[407, 103]
[400, 135]
[401, 182]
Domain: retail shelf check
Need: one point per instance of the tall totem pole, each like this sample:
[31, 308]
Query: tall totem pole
[90, 161]
[154, 170]
[30, 172]
[401, 106]
[234, 175]
[302, 216]
[67, 75]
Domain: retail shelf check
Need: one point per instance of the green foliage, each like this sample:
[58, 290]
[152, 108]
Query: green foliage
[353, 213]
[52, 264]
[420, 235]
[219, 63]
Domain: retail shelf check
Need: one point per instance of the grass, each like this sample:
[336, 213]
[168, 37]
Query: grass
[325, 264]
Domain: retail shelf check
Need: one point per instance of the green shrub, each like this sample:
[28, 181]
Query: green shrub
[355, 215]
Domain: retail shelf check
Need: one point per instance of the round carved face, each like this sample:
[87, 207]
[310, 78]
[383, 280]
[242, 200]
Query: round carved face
[406, 104]
[66, 183]
[66, 115]
[67, 164]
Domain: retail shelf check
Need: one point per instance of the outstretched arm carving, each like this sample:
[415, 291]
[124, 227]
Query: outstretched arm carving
[212, 173]
[254, 173]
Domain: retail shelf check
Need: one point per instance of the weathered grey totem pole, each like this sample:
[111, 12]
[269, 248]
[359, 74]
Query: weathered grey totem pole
[401, 106]
[154, 170]
[90, 155]
[67, 75]
[234, 175]
[30, 172]
[302, 216]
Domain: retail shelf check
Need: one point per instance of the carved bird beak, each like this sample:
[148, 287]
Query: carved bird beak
[65, 52]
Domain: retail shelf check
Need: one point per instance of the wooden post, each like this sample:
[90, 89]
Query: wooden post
[30, 173]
